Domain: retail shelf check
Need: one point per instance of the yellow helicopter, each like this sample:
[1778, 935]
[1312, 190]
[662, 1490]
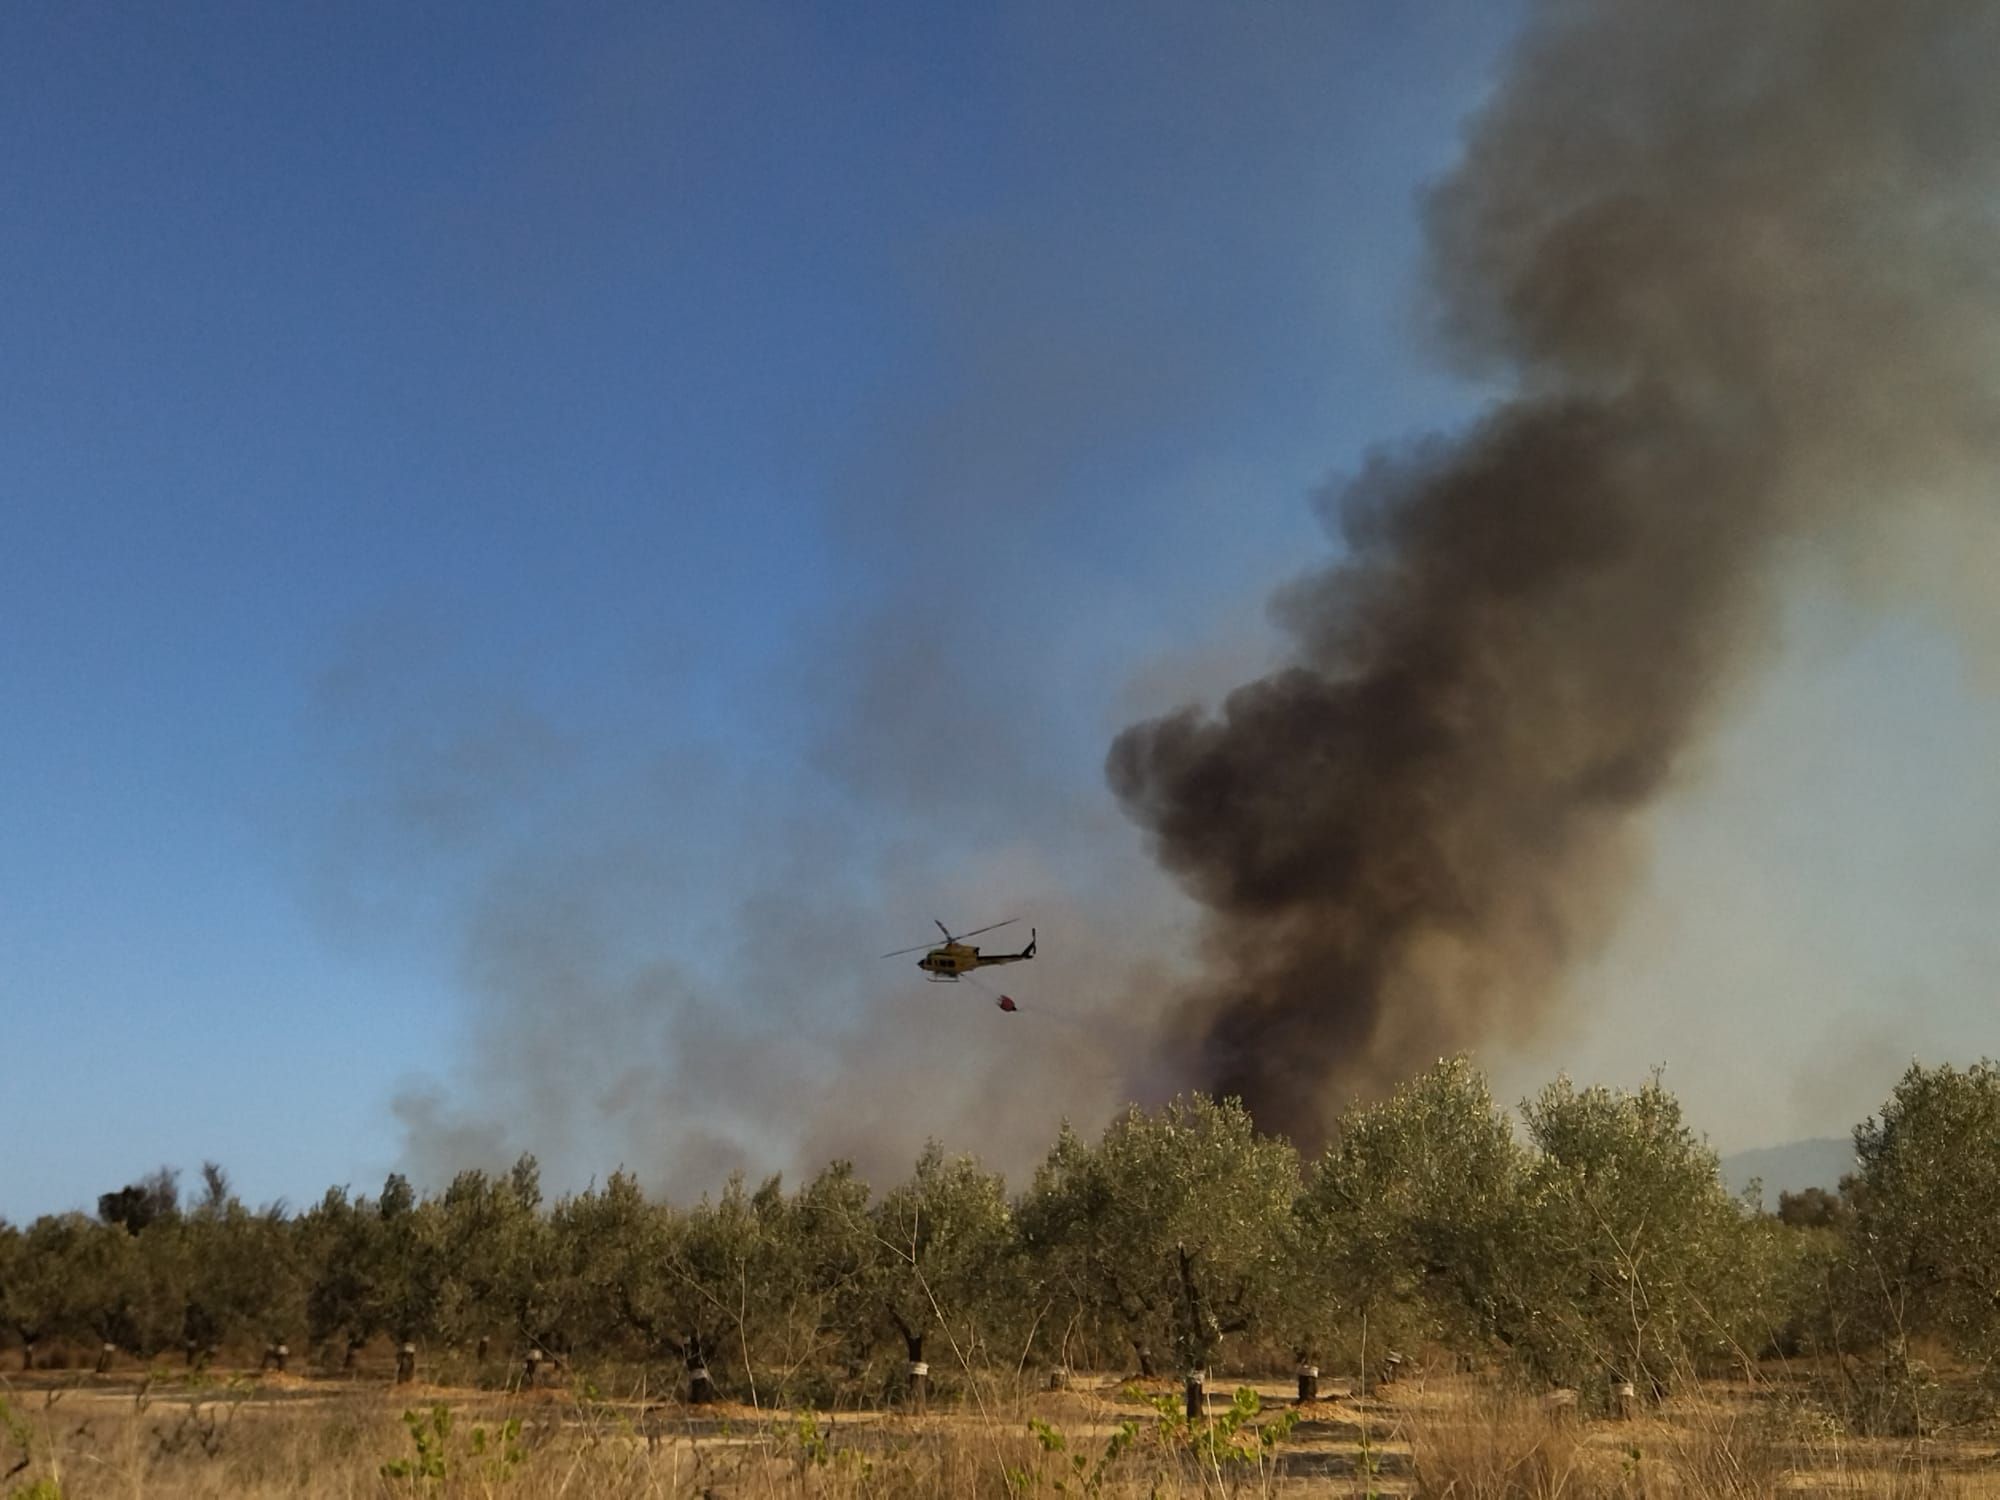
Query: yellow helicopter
[956, 956]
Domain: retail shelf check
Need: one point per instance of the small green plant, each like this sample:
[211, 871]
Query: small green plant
[1081, 1475]
[19, 1434]
[815, 1448]
[487, 1453]
[1367, 1468]
[20, 1442]
[1231, 1436]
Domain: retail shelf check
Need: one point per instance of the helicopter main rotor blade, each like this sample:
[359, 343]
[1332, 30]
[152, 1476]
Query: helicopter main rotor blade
[977, 930]
[949, 937]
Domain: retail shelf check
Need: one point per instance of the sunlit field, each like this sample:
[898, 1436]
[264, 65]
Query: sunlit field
[1431, 1433]
[1449, 1300]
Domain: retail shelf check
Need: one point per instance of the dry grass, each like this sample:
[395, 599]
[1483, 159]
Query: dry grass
[1455, 1439]
[1484, 1445]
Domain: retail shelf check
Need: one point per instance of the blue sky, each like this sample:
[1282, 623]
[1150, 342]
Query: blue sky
[706, 471]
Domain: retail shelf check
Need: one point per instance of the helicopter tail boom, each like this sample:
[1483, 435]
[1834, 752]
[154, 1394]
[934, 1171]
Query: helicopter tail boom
[1010, 958]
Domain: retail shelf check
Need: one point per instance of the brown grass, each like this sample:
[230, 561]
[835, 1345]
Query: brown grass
[1486, 1445]
[1459, 1439]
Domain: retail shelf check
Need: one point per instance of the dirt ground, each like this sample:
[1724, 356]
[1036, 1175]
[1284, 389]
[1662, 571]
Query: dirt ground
[245, 1433]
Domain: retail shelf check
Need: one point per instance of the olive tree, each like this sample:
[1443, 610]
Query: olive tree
[1922, 1241]
[495, 1251]
[1634, 1261]
[71, 1278]
[945, 1258]
[609, 1280]
[13, 1268]
[1172, 1228]
[246, 1279]
[813, 1291]
[724, 1259]
[409, 1290]
[695, 1284]
[1408, 1223]
[343, 1246]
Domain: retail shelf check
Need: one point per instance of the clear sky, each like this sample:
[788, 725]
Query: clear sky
[708, 481]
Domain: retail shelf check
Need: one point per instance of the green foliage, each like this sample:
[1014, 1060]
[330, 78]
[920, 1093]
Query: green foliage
[482, 1454]
[18, 1450]
[1172, 1230]
[1068, 1471]
[74, 1278]
[1912, 1253]
[943, 1255]
[608, 1282]
[1633, 1263]
[812, 1447]
[495, 1255]
[1597, 1243]
[730, 1273]
[821, 1256]
[1411, 1216]
[18, 1453]
[247, 1280]
[345, 1249]
[1927, 1209]
[1814, 1208]
[1230, 1438]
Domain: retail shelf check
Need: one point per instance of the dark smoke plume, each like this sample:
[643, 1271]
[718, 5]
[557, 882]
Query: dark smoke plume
[1738, 265]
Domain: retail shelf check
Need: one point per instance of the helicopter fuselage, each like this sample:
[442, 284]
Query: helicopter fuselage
[954, 959]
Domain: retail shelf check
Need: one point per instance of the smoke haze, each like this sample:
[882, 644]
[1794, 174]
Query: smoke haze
[1728, 271]
[665, 912]
[1737, 264]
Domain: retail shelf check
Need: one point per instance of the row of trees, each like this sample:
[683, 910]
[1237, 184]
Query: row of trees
[1592, 1239]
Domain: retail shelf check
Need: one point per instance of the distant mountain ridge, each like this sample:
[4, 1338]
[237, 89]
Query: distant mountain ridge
[1819, 1163]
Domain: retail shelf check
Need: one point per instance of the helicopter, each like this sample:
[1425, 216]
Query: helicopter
[956, 956]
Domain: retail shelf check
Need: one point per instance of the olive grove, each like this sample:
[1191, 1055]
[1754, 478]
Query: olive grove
[1585, 1240]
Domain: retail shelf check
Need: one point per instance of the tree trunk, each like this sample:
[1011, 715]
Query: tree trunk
[353, 1355]
[919, 1387]
[1197, 1396]
[701, 1389]
[1623, 1398]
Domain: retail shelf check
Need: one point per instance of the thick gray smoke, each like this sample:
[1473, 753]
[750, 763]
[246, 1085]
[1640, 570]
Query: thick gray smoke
[660, 894]
[1738, 265]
